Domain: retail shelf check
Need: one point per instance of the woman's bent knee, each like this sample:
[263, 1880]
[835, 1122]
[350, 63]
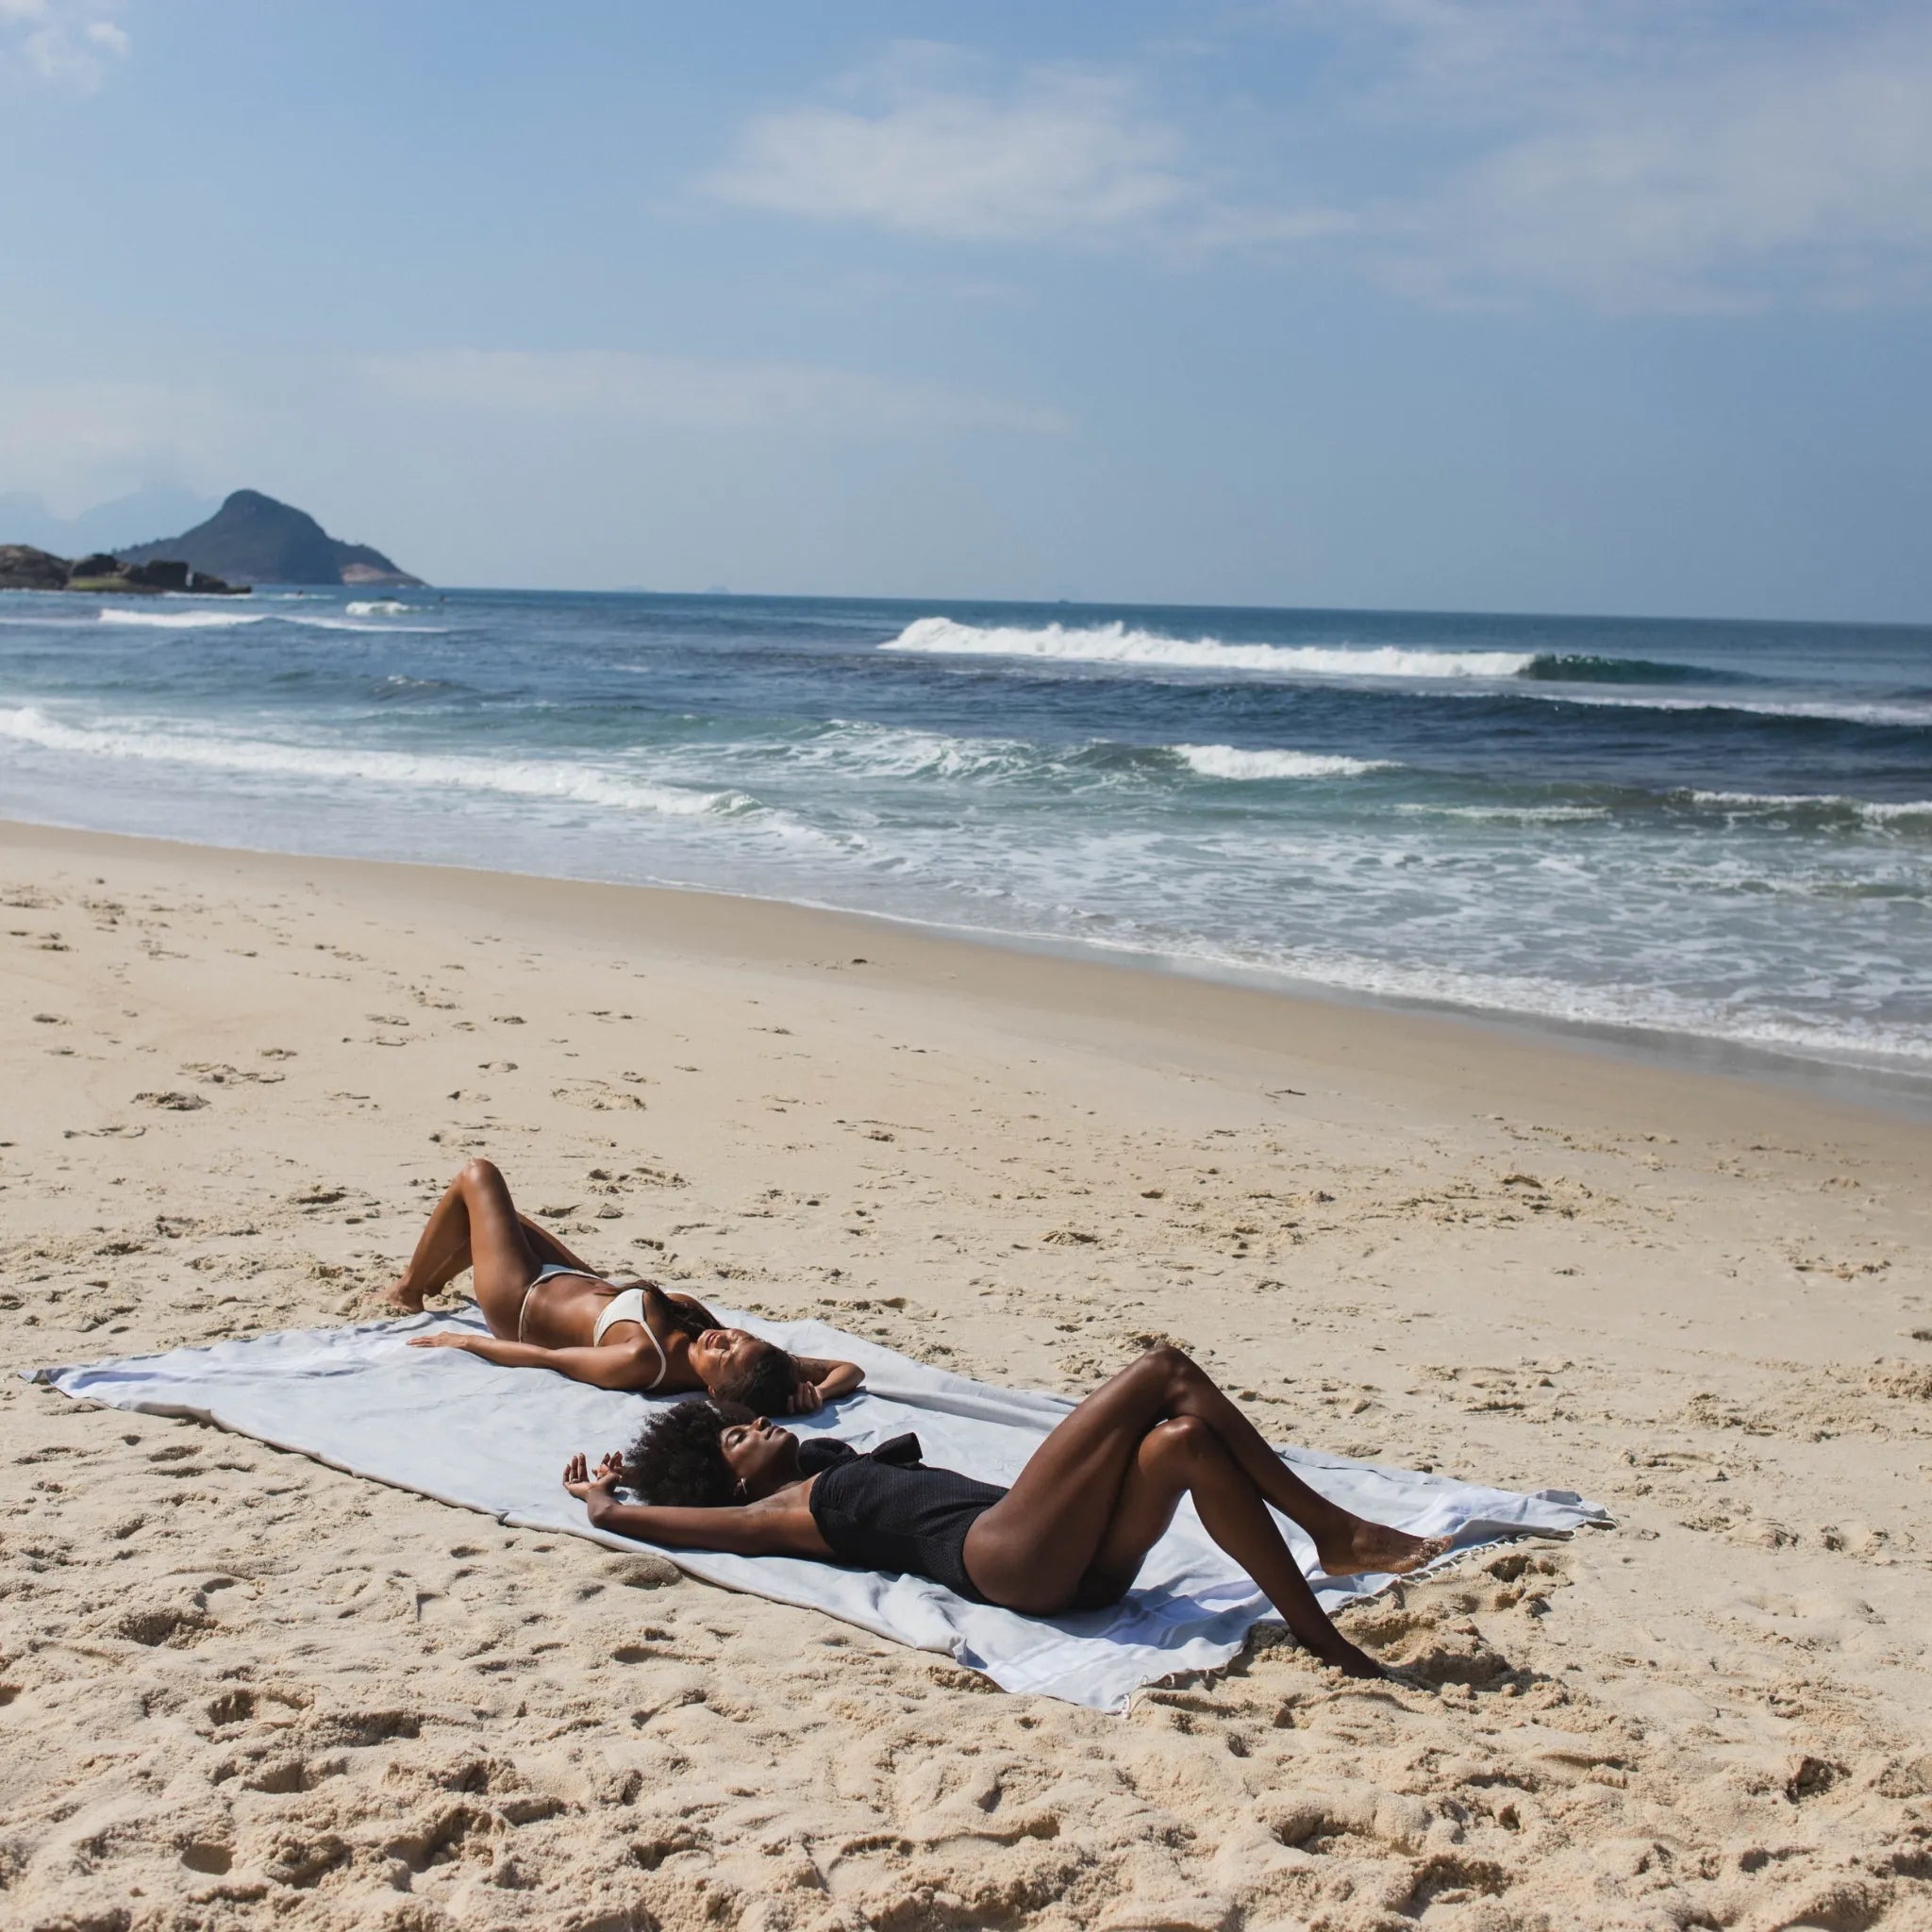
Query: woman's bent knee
[1181, 1438]
[480, 1173]
[1171, 1368]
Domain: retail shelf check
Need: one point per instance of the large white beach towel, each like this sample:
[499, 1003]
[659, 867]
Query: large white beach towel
[449, 1426]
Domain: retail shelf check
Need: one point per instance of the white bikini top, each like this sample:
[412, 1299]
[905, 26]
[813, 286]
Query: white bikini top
[628, 1305]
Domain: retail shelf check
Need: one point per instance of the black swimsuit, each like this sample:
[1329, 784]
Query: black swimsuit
[887, 1510]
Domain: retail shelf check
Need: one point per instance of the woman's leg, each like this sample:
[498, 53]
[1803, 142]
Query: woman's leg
[1185, 1457]
[474, 1225]
[551, 1252]
[1042, 1536]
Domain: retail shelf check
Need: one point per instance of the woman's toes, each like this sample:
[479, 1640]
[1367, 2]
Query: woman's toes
[1376, 1550]
[1421, 1550]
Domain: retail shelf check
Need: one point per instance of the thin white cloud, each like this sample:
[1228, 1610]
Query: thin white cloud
[935, 148]
[686, 391]
[60, 44]
[1659, 155]
[1637, 158]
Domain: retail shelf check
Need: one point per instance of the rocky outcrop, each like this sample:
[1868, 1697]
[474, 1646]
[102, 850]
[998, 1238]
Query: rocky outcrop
[255, 540]
[23, 568]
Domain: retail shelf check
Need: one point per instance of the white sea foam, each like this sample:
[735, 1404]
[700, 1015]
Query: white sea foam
[1746, 801]
[882, 751]
[1114, 643]
[894, 752]
[182, 619]
[572, 782]
[378, 607]
[1510, 814]
[1231, 761]
[1872, 811]
[230, 620]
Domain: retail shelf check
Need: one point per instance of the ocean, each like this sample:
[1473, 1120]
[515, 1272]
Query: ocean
[1680, 831]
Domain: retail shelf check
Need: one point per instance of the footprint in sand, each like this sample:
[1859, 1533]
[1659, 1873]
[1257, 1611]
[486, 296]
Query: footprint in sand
[599, 1096]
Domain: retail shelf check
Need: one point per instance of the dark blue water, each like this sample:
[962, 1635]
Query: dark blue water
[1722, 830]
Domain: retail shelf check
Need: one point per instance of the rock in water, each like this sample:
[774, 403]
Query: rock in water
[23, 568]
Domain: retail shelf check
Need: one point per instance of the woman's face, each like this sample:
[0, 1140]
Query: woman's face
[724, 1357]
[761, 1456]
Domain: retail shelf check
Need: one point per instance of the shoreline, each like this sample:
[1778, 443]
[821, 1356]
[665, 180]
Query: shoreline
[1895, 1091]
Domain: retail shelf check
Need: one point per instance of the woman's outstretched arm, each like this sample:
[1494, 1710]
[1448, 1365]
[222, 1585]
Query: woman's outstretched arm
[616, 1365]
[774, 1527]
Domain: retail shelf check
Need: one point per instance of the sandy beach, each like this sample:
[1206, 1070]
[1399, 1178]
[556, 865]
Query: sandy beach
[238, 1687]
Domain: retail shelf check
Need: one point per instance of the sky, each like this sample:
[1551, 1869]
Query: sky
[1594, 306]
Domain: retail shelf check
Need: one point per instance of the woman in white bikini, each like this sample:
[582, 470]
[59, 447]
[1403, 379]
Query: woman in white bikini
[548, 1309]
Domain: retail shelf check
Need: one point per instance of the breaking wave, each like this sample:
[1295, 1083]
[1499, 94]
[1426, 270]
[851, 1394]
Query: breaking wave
[1231, 761]
[1115, 643]
[185, 620]
[1822, 811]
[231, 620]
[573, 782]
[882, 751]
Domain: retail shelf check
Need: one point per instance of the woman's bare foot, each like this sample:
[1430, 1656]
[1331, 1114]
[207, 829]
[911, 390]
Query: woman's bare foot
[405, 1295]
[1372, 1549]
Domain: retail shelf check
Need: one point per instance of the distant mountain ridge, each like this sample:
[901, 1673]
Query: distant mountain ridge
[26, 518]
[255, 540]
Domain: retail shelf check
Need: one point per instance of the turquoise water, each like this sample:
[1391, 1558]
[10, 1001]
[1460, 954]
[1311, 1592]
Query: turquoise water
[1712, 830]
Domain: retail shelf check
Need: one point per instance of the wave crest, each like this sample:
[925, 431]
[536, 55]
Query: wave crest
[1115, 643]
[1819, 808]
[231, 620]
[182, 619]
[1232, 761]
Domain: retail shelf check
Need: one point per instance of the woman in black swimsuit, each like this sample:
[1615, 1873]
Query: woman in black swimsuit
[1071, 1533]
[547, 1309]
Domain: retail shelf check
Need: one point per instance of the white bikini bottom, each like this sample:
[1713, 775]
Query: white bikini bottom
[626, 1305]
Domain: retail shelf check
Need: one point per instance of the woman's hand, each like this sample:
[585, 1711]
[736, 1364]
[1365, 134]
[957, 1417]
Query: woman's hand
[593, 1492]
[443, 1338]
[805, 1399]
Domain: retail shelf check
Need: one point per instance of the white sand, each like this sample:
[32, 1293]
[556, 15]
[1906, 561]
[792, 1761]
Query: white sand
[238, 1688]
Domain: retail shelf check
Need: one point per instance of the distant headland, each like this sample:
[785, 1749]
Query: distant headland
[251, 539]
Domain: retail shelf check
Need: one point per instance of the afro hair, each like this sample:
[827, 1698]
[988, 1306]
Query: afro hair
[677, 1460]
